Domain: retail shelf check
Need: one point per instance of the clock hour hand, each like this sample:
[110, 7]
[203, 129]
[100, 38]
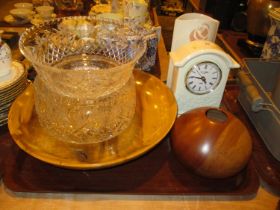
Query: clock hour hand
[202, 78]
[196, 77]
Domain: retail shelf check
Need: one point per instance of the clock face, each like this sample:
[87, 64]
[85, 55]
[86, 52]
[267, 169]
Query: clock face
[203, 78]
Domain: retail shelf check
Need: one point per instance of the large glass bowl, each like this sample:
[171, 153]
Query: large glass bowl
[84, 88]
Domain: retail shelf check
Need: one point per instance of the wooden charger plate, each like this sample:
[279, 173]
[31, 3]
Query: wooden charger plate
[156, 110]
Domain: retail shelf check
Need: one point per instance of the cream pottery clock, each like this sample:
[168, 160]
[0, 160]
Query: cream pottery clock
[199, 74]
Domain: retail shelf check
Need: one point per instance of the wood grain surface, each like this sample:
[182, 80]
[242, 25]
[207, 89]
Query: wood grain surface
[212, 142]
[64, 201]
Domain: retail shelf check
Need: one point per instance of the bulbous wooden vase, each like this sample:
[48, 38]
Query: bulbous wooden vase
[212, 142]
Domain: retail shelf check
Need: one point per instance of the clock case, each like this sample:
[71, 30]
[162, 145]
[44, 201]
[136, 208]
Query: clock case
[182, 61]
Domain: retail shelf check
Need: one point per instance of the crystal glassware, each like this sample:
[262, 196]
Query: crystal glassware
[84, 89]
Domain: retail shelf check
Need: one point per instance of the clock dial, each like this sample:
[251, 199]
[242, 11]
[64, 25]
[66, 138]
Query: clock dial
[203, 77]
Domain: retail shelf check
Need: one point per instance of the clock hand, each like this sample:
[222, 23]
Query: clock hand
[197, 70]
[204, 80]
[196, 77]
[201, 78]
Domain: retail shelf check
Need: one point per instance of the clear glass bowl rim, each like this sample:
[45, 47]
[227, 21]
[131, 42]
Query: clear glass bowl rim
[22, 48]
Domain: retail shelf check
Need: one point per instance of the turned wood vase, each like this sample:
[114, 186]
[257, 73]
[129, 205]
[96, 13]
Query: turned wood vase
[212, 142]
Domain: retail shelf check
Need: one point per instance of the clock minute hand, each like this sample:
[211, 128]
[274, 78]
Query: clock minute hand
[197, 70]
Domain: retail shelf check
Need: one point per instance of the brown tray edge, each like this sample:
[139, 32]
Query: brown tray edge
[246, 193]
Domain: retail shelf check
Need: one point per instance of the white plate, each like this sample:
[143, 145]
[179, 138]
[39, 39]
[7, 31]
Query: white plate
[15, 21]
[15, 74]
[12, 93]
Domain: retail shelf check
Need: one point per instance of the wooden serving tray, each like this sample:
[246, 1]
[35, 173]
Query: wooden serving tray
[268, 167]
[157, 172]
[5, 144]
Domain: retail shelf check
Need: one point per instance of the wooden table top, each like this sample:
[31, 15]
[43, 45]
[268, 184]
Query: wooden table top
[62, 201]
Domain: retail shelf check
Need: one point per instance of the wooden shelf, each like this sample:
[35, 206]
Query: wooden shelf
[197, 5]
[162, 55]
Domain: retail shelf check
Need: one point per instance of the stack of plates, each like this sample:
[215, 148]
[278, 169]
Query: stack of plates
[11, 86]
